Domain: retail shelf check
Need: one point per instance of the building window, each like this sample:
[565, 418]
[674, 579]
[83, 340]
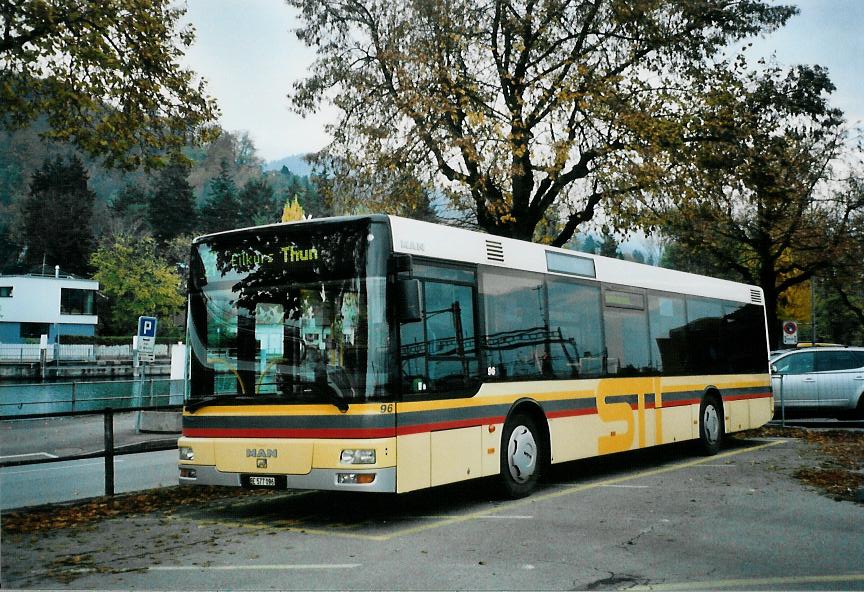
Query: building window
[76, 302]
[5, 291]
[33, 330]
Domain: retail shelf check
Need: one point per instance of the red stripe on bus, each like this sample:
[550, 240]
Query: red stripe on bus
[446, 425]
[744, 397]
[344, 433]
[681, 403]
[340, 433]
[571, 413]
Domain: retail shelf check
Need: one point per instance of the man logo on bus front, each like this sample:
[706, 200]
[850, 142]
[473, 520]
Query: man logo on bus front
[261, 453]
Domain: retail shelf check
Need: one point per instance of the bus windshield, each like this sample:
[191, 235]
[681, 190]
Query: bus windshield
[290, 314]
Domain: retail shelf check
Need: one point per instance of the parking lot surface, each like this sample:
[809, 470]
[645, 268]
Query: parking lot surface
[661, 519]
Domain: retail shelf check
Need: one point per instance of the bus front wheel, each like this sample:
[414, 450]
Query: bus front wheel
[710, 425]
[521, 456]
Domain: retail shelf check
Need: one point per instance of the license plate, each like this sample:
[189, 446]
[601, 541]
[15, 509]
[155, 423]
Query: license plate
[263, 481]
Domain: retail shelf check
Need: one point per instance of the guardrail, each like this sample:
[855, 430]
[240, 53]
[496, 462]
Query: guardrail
[93, 398]
[109, 451]
[31, 352]
[19, 401]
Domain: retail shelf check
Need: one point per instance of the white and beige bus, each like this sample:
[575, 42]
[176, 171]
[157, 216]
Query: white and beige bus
[376, 353]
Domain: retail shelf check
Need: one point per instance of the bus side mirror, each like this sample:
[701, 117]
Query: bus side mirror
[774, 369]
[408, 302]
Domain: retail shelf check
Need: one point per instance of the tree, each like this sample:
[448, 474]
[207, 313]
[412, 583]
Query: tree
[221, 211]
[172, 204]
[106, 74]
[514, 108]
[56, 216]
[234, 150]
[609, 246]
[840, 289]
[136, 282]
[755, 195]
[258, 203]
[131, 201]
[398, 191]
[292, 211]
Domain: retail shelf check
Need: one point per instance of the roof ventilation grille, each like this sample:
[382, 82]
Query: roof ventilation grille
[494, 251]
[755, 296]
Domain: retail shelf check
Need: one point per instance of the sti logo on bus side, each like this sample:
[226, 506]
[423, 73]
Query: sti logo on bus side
[261, 453]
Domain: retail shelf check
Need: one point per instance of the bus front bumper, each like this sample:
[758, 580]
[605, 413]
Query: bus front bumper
[323, 479]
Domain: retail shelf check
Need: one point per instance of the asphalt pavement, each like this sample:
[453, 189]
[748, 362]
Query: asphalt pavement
[659, 519]
[27, 479]
[50, 483]
[58, 437]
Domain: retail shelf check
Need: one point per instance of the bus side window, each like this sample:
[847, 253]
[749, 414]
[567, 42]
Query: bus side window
[439, 352]
[626, 330]
[517, 335]
[576, 334]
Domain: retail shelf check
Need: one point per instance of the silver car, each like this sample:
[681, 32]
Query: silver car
[826, 381]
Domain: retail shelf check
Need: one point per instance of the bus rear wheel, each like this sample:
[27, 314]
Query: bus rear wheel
[710, 425]
[521, 456]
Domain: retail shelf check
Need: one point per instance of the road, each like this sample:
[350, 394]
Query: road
[660, 519]
[32, 485]
[67, 436]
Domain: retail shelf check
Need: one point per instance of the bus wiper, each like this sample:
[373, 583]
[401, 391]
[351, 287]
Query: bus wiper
[341, 404]
[199, 403]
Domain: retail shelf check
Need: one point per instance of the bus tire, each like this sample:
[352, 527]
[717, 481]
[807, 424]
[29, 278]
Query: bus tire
[521, 456]
[711, 425]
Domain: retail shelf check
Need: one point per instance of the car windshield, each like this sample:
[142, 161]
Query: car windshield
[293, 314]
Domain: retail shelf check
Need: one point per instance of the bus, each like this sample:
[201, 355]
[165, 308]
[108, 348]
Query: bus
[381, 354]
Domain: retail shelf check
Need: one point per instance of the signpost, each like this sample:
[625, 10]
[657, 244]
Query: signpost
[146, 339]
[790, 333]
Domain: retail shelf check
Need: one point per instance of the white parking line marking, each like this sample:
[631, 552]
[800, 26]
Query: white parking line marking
[312, 566]
[38, 468]
[40, 454]
[490, 517]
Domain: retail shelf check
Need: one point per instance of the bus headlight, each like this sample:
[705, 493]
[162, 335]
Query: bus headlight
[357, 457]
[186, 453]
[355, 478]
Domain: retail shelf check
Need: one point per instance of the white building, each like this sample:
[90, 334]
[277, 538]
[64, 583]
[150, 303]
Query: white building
[34, 305]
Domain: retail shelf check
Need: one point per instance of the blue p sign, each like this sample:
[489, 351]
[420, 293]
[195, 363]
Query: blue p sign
[146, 326]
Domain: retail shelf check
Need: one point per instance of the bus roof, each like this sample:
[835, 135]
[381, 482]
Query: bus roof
[456, 244]
[438, 241]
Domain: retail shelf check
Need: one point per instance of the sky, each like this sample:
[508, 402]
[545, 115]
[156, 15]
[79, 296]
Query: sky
[248, 54]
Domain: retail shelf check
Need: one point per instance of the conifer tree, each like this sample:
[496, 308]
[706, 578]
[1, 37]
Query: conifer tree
[172, 204]
[258, 204]
[56, 216]
[222, 208]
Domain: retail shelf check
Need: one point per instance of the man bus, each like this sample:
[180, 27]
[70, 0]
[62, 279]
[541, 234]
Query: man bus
[381, 354]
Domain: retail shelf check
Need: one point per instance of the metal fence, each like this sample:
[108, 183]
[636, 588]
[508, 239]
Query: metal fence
[31, 352]
[51, 398]
[65, 399]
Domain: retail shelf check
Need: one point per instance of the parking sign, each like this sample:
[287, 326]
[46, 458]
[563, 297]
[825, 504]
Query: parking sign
[147, 327]
[146, 339]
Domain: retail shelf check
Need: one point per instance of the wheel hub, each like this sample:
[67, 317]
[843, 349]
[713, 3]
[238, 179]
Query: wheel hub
[711, 423]
[522, 454]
